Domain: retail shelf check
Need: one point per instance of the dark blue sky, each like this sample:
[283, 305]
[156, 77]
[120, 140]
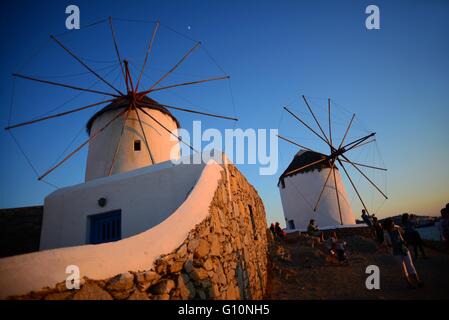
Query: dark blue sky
[395, 79]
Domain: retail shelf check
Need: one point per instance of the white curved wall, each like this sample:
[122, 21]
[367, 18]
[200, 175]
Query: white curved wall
[145, 197]
[301, 194]
[33, 271]
[102, 148]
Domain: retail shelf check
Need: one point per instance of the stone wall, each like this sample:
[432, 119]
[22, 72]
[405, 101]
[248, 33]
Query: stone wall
[20, 230]
[224, 257]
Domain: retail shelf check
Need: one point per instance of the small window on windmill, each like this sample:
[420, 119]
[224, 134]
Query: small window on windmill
[137, 145]
[253, 223]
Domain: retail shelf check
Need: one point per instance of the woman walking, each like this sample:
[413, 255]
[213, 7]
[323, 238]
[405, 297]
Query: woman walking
[393, 239]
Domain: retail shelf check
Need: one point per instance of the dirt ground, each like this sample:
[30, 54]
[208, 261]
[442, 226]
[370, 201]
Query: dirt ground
[302, 272]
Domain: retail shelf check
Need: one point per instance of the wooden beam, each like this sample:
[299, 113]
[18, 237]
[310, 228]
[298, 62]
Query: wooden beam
[143, 132]
[189, 83]
[306, 166]
[172, 69]
[63, 85]
[316, 121]
[150, 46]
[57, 115]
[353, 186]
[85, 65]
[306, 125]
[92, 137]
[117, 50]
[346, 132]
[365, 165]
[338, 196]
[292, 142]
[324, 186]
[166, 129]
[189, 110]
[365, 176]
[117, 146]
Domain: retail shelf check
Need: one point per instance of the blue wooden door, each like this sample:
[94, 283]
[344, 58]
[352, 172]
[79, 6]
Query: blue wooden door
[105, 227]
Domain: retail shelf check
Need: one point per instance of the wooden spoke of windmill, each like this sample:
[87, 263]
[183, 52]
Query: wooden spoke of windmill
[135, 98]
[337, 154]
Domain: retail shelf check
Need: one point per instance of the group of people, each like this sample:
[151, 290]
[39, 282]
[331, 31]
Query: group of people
[388, 235]
[277, 231]
[397, 239]
[335, 247]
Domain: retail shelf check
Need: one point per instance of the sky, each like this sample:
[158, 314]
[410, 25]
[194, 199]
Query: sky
[394, 79]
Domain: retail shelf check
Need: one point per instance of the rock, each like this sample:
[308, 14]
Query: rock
[146, 279]
[185, 290]
[138, 295]
[198, 274]
[216, 224]
[121, 282]
[204, 232]
[230, 275]
[175, 266]
[215, 246]
[90, 291]
[162, 287]
[182, 251]
[219, 276]
[193, 245]
[235, 209]
[61, 286]
[213, 291]
[208, 265]
[232, 293]
[188, 266]
[161, 267]
[202, 249]
[228, 248]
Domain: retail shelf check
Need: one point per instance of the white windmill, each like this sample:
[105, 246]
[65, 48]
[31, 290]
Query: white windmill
[322, 195]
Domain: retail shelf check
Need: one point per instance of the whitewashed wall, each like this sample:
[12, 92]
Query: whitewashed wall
[102, 148]
[145, 196]
[301, 194]
[36, 270]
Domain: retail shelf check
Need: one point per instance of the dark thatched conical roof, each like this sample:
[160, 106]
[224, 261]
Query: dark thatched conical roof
[123, 102]
[301, 159]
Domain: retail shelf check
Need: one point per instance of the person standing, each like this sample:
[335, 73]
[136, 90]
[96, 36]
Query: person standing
[378, 230]
[412, 236]
[366, 218]
[394, 240]
[444, 225]
[272, 229]
[279, 232]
